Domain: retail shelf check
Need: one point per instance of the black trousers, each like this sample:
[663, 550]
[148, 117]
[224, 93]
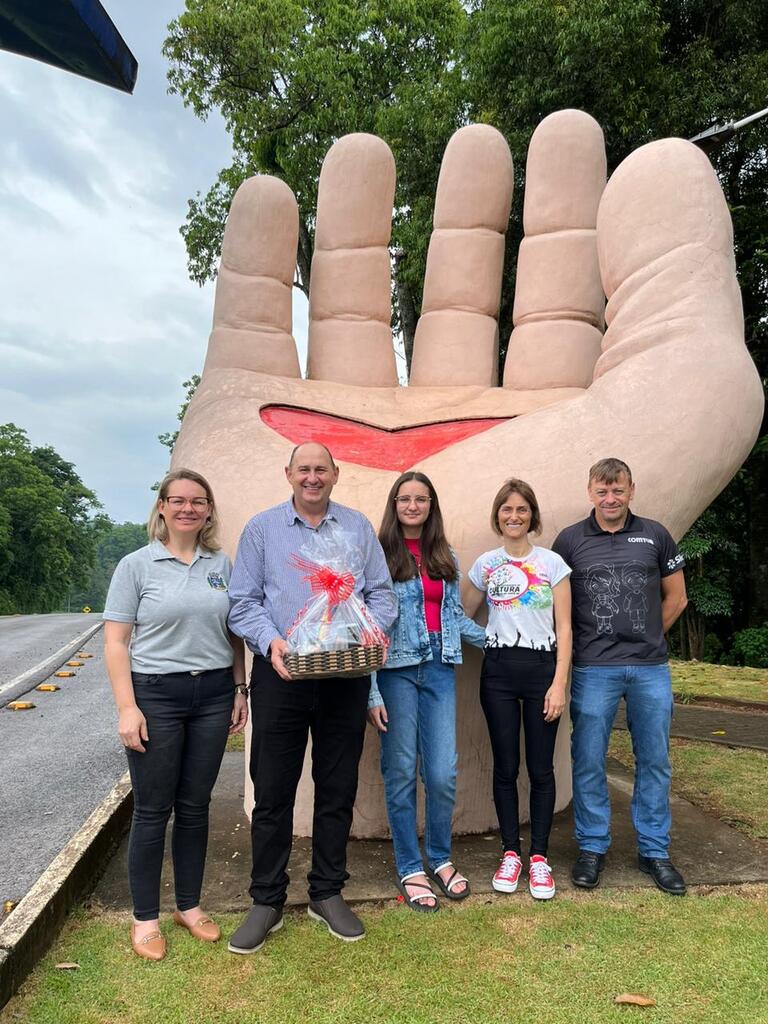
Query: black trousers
[513, 683]
[283, 714]
[188, 719]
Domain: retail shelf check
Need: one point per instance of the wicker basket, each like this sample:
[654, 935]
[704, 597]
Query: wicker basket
[354, 661]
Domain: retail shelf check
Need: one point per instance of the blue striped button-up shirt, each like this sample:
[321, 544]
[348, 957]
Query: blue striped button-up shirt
[267, 592]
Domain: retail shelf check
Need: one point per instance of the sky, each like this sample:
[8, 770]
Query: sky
[99, 322]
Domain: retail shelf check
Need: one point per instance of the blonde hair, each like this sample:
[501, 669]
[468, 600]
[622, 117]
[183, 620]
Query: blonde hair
[156, 528]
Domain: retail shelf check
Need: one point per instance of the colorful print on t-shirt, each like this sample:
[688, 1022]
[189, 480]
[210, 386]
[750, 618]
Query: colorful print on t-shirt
[519, 596]
[509, 582]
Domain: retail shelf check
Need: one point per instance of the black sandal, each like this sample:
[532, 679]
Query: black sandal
[453, 879]
[413, 901]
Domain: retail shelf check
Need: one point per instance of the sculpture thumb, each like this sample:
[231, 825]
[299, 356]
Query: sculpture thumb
[675, 392]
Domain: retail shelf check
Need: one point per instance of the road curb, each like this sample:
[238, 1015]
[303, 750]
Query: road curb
[32, 926]
[29, 680]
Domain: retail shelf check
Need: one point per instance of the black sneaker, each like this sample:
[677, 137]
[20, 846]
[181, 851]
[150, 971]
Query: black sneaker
[586, 870]
[253, 932]
[664, 873]
[337, 917]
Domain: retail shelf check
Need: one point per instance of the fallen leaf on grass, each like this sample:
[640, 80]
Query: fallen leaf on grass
[631, 999]
[67, 967]
[718, 732]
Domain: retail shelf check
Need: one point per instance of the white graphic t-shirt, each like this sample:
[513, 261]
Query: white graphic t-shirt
[519, 596]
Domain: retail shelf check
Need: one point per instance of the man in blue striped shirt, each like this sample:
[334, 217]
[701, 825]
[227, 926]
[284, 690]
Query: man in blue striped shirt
[266, 594]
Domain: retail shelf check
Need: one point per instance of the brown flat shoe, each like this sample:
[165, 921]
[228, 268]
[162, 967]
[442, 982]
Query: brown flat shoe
[151, 947]
[203, 928]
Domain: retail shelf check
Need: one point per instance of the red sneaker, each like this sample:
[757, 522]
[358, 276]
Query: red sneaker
[508, 872]
[541, 884]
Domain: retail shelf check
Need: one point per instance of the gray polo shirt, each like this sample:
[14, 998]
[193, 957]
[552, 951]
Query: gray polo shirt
[179, 611]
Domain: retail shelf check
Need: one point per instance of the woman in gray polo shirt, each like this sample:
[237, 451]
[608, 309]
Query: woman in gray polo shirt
[179, 686]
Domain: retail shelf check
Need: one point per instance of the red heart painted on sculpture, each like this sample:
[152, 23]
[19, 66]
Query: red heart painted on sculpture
[352, 441]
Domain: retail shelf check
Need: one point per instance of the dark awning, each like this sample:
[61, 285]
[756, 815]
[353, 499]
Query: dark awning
[77, 35]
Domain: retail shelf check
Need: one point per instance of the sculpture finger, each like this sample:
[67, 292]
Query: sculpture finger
[665, 245]
[252, 314]
[559, 301]
[457, 335]
[350, 337]
[675, 395]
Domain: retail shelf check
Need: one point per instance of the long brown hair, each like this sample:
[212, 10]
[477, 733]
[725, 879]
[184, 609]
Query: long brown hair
[435, 551]
[156, 528]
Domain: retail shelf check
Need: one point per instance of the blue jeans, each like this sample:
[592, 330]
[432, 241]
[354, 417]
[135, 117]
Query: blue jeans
[421, 707]
[595, 694]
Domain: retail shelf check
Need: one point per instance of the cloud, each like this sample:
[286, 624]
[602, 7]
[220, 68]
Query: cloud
[99, 323]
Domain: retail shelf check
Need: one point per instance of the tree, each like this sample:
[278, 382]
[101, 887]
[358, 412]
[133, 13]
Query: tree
[115, 541]
[712, 547]
[49, 521]
[190, 386]
[645, 69]
[289, 78]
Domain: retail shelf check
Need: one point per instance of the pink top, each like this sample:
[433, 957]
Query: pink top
[433, 589]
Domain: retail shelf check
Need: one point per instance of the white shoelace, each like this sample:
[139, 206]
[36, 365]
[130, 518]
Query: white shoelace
[540, 872]
[509, 864]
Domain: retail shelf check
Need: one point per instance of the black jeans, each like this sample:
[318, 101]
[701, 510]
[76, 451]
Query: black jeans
[513, 677]
[188, 720]
[282, 715]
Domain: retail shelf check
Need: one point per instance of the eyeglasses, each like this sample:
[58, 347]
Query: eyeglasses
[405, 500]
[196, 503]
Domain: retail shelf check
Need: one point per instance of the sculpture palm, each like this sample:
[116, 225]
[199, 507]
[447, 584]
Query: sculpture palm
[670, 387]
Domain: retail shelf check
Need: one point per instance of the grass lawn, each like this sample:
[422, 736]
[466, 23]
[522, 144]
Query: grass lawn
[729, 783]
[699, 679]
[500, 960]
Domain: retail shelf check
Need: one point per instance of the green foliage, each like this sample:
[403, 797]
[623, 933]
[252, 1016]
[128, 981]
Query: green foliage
[290, 78]
[709, 580]
[191, 385]
[713, 547]
[49, 524]
[644, 69]
[750, 646]
[117, 540]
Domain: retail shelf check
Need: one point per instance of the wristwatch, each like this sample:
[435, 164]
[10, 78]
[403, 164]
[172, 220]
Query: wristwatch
[241, 688]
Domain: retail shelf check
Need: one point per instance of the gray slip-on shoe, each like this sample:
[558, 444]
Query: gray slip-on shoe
[253, 932]
[337, 917]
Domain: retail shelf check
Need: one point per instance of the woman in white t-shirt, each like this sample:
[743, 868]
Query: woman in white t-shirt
[524, 676]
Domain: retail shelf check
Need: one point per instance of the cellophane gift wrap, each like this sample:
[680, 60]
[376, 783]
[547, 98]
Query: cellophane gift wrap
[335, 619]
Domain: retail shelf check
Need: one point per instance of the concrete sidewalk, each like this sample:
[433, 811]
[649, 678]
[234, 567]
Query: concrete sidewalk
[728, 727]
[706, 851]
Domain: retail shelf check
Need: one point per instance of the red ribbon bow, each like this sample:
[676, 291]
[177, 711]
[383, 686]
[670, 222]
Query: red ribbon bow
[322, 580]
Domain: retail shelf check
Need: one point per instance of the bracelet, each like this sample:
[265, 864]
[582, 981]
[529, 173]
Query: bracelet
[242, 688]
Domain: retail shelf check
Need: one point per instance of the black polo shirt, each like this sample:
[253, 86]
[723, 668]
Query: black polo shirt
[616, 590]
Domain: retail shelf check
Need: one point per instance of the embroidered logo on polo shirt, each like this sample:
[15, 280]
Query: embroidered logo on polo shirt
[639, 540]
[217, 581]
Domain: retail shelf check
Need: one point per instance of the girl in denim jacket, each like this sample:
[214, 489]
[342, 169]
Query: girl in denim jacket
[413, 699]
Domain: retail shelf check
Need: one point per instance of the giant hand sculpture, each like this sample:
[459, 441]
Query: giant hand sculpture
[669, 387]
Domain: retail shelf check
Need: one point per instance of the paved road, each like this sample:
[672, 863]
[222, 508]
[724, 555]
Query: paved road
[26, 640]
[58, 761]
[728, 727]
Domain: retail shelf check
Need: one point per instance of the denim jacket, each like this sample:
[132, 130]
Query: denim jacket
[409, 639]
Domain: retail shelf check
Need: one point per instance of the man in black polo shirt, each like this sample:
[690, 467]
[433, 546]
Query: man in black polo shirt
[628, 589]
